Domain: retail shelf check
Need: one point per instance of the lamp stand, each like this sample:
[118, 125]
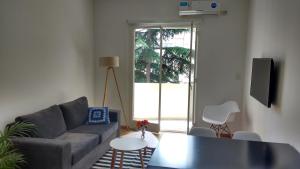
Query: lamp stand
[117, 85]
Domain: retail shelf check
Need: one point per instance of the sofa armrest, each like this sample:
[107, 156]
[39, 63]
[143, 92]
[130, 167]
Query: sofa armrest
[43, 153]
[114, 116]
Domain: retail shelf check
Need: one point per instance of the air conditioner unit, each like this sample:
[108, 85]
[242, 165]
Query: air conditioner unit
[200, 7]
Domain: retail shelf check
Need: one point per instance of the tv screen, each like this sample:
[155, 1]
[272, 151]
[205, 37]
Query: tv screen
[262, 80]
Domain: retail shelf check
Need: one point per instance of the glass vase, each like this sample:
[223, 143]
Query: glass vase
[143, 129]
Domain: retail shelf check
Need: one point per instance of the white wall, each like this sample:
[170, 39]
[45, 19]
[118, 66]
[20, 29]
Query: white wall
[222, 47]
[274, 32]
[46, 54]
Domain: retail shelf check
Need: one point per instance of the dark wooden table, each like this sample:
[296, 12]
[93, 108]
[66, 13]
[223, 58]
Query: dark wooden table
[190, 152]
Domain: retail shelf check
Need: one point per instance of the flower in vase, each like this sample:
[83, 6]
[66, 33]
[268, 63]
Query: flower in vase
[142, 125]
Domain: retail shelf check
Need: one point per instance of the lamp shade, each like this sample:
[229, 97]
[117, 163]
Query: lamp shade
[109, 61]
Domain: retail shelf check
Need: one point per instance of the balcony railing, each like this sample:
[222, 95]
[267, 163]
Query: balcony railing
[174, 101]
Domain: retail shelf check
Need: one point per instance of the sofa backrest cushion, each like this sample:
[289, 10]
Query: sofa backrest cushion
[75, 112]
[49, 122]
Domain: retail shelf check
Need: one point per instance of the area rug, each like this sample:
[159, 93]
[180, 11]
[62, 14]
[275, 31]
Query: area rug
[131, 160]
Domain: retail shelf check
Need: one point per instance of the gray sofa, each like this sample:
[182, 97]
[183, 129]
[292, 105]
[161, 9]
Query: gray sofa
[63, 139]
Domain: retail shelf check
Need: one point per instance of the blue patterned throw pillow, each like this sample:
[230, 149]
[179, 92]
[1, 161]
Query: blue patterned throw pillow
[98, 115]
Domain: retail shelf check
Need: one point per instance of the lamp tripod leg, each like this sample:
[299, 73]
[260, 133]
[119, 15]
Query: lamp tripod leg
[122, 106]
[105, 87]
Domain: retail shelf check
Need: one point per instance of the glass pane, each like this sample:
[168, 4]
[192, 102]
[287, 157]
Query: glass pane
[146, 73]
[175, 78]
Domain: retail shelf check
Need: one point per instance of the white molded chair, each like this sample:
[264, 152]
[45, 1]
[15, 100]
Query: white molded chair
[246, 135]
[218, 115]
[201, 131]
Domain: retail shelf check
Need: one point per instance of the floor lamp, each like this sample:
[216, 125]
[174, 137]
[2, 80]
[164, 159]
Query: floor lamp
[110, 63]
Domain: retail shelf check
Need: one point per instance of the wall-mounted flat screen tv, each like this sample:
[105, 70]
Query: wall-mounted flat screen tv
[262, 80]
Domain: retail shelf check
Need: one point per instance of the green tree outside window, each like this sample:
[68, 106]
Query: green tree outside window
[175, 60]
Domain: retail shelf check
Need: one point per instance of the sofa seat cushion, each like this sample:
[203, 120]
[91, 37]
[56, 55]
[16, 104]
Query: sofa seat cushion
[102, 130]
[75, 112]
[81, 144]
[49, 122]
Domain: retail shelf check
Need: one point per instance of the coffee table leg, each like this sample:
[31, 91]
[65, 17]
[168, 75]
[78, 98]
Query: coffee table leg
[141, 158]
[121, 160]
[113, 158]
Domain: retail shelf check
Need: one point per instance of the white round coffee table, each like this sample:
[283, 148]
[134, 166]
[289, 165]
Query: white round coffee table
[126, 144]
[150, 138]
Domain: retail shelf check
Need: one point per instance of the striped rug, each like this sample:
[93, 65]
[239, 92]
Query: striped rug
[131, 160]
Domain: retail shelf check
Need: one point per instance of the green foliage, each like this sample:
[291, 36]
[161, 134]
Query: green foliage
[175, 60]
[9, 157]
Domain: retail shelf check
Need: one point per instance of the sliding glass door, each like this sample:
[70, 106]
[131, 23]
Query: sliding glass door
[147, 75]
[163, 76]
[192, 78]
[175, 78]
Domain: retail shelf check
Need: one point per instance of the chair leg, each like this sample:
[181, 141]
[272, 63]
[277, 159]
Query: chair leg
[228, 130]
[225, 129]
[221, 129]
[216, 128]
[213, 127]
